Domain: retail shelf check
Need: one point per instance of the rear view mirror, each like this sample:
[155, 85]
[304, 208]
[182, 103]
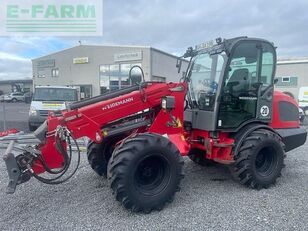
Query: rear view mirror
[275, 81]
[136, 75]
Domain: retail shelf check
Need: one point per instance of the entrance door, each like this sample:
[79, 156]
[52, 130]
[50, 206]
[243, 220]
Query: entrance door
[85, 92]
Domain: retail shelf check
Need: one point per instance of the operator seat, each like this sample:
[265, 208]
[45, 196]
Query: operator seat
[237, 81]
[236, 85]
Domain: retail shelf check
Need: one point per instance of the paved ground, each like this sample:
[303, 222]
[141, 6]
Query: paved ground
[209, 200]
[16, 115]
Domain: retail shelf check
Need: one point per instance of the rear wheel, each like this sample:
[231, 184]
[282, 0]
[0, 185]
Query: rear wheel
[14, 100]
[99, 154]
[198, 157]
[260, 159]
[145, 172]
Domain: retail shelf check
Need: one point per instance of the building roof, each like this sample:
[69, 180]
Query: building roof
[16, 81]
[125, 46]
[292, 60]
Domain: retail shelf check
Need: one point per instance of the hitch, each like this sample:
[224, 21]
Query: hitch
[52, 155]
[12, 168]
[18, 166]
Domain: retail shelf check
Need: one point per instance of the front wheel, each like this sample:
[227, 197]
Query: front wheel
[260, 159]
[99, 154]
[145, 172]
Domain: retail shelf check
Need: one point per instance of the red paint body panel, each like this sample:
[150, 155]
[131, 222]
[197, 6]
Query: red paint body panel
[181, 142]
[276, 121]
[218, 149]
[8, 132]
[88, 121]
[52, 157]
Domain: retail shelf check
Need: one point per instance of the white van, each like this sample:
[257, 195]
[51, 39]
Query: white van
[49, 98]
[303, 99]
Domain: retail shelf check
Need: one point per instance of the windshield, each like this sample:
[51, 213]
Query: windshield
[204, 74]
[55, 94]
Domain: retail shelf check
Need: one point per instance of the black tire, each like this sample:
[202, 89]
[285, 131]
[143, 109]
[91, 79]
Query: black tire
[260, 159]
[198, 157]
[99, 154]
[145, 172]
[14, 100]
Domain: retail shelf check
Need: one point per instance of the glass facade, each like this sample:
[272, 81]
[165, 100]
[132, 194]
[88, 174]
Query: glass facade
[114, 76]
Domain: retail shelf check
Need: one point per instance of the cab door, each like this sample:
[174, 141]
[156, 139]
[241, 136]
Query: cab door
[247, 88]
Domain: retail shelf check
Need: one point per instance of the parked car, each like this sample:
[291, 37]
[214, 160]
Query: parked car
[301, 115]
[14, 97]
[28, 97]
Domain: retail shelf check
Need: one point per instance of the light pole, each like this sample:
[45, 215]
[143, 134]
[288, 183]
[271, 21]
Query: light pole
[4, 117]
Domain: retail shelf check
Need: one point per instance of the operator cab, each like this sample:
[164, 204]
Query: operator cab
[230, 83]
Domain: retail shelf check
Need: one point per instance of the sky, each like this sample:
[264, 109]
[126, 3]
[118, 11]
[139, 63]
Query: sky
[172, 26]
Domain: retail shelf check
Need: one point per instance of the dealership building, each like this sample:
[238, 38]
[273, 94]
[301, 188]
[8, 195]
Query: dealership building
[98, 69]
[95, 70]
[292, 74]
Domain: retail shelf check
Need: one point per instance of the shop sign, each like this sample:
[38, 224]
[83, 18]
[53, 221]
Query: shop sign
[81, 60]
[131, 56]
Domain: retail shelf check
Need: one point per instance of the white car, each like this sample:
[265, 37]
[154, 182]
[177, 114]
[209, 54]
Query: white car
[14, 97]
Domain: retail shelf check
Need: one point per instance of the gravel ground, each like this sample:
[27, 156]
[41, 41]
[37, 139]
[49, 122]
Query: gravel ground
[209, 200]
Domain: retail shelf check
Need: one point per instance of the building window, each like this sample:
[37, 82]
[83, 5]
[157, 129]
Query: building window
[55, 72]
[85, 92]
[115, 76]
[285, 80]
[41, 76]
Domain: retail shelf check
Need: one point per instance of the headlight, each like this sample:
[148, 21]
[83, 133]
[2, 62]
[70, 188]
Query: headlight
[32, 112]
[164, 104]
[168, 103]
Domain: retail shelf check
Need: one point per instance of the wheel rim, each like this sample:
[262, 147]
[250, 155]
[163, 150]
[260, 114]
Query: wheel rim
[152, 175]
[266, 161]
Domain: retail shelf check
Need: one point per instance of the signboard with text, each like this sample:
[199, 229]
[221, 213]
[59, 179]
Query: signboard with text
[51, 18]
[131, 56]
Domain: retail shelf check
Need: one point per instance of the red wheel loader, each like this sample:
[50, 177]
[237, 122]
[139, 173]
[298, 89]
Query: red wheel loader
[224, 110]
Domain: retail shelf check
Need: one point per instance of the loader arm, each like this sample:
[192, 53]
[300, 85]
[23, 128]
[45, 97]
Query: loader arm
[127, 110]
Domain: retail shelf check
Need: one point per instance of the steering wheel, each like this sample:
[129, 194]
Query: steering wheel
[229, 101]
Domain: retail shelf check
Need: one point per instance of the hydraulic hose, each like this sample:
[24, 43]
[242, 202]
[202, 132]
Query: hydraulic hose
[67, 164]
